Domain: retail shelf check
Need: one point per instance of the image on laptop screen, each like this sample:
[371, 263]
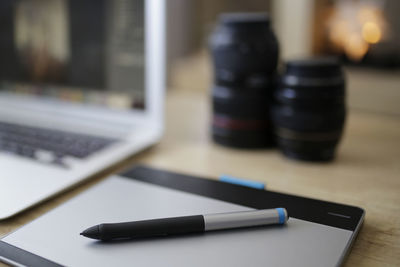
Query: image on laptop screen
[85, 51]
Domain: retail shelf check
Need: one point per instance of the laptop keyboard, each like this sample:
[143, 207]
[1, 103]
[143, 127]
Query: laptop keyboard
[49, 146]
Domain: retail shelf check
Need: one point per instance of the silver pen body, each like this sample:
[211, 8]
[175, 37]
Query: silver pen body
[244, 219]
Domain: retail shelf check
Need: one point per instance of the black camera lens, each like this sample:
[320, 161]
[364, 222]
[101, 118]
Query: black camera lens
[245, 55]
[309, 110]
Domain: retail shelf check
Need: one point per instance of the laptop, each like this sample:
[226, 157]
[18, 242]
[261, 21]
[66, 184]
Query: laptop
[81, 88]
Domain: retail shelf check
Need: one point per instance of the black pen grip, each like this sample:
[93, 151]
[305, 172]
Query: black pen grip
[156, 227]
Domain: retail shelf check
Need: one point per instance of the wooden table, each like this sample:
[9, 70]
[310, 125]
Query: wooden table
[365, 172]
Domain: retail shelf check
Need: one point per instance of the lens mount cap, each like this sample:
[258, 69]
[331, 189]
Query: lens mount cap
[236, 19]
[314, 67]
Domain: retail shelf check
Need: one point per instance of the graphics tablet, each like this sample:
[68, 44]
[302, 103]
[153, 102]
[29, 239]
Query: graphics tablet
[318, 233]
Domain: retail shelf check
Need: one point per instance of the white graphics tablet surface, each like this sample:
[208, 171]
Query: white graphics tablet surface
[317, 233]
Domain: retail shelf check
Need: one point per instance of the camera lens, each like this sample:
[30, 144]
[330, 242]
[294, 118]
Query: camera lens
[309, 110]
[245, 54]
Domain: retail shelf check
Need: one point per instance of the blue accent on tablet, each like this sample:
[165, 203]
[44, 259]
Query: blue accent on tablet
[282, 217]
[238, 181]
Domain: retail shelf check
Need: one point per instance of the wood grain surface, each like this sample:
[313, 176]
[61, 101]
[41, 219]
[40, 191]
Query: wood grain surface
[365, 172]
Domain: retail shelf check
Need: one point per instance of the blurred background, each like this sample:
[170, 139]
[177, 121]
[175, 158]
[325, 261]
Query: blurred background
[364, 34]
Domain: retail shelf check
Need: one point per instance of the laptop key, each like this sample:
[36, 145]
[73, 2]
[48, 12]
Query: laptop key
[44, 156]
[26, 151]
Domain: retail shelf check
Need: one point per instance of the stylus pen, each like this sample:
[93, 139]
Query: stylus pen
[186, 224]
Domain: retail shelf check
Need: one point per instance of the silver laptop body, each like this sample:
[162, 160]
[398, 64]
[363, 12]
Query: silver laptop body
[81, 88]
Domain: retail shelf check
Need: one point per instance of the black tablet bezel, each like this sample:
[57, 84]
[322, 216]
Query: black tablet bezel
[318, 211]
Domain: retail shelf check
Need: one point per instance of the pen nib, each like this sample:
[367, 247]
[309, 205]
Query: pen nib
[92, 232]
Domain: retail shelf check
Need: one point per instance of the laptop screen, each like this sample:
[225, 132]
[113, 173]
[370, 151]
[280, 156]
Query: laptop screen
[86, 51]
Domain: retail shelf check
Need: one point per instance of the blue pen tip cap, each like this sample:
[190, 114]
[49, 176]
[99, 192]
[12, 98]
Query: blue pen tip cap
[283, 215]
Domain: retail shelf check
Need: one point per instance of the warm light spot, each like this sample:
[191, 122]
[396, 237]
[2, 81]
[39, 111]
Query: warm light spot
[355, 25]
[371, 32]
[366, 14]
[338, 33]
[355, 47]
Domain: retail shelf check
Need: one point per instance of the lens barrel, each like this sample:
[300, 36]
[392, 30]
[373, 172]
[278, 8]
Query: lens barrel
[245, 54]
[309, 111]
